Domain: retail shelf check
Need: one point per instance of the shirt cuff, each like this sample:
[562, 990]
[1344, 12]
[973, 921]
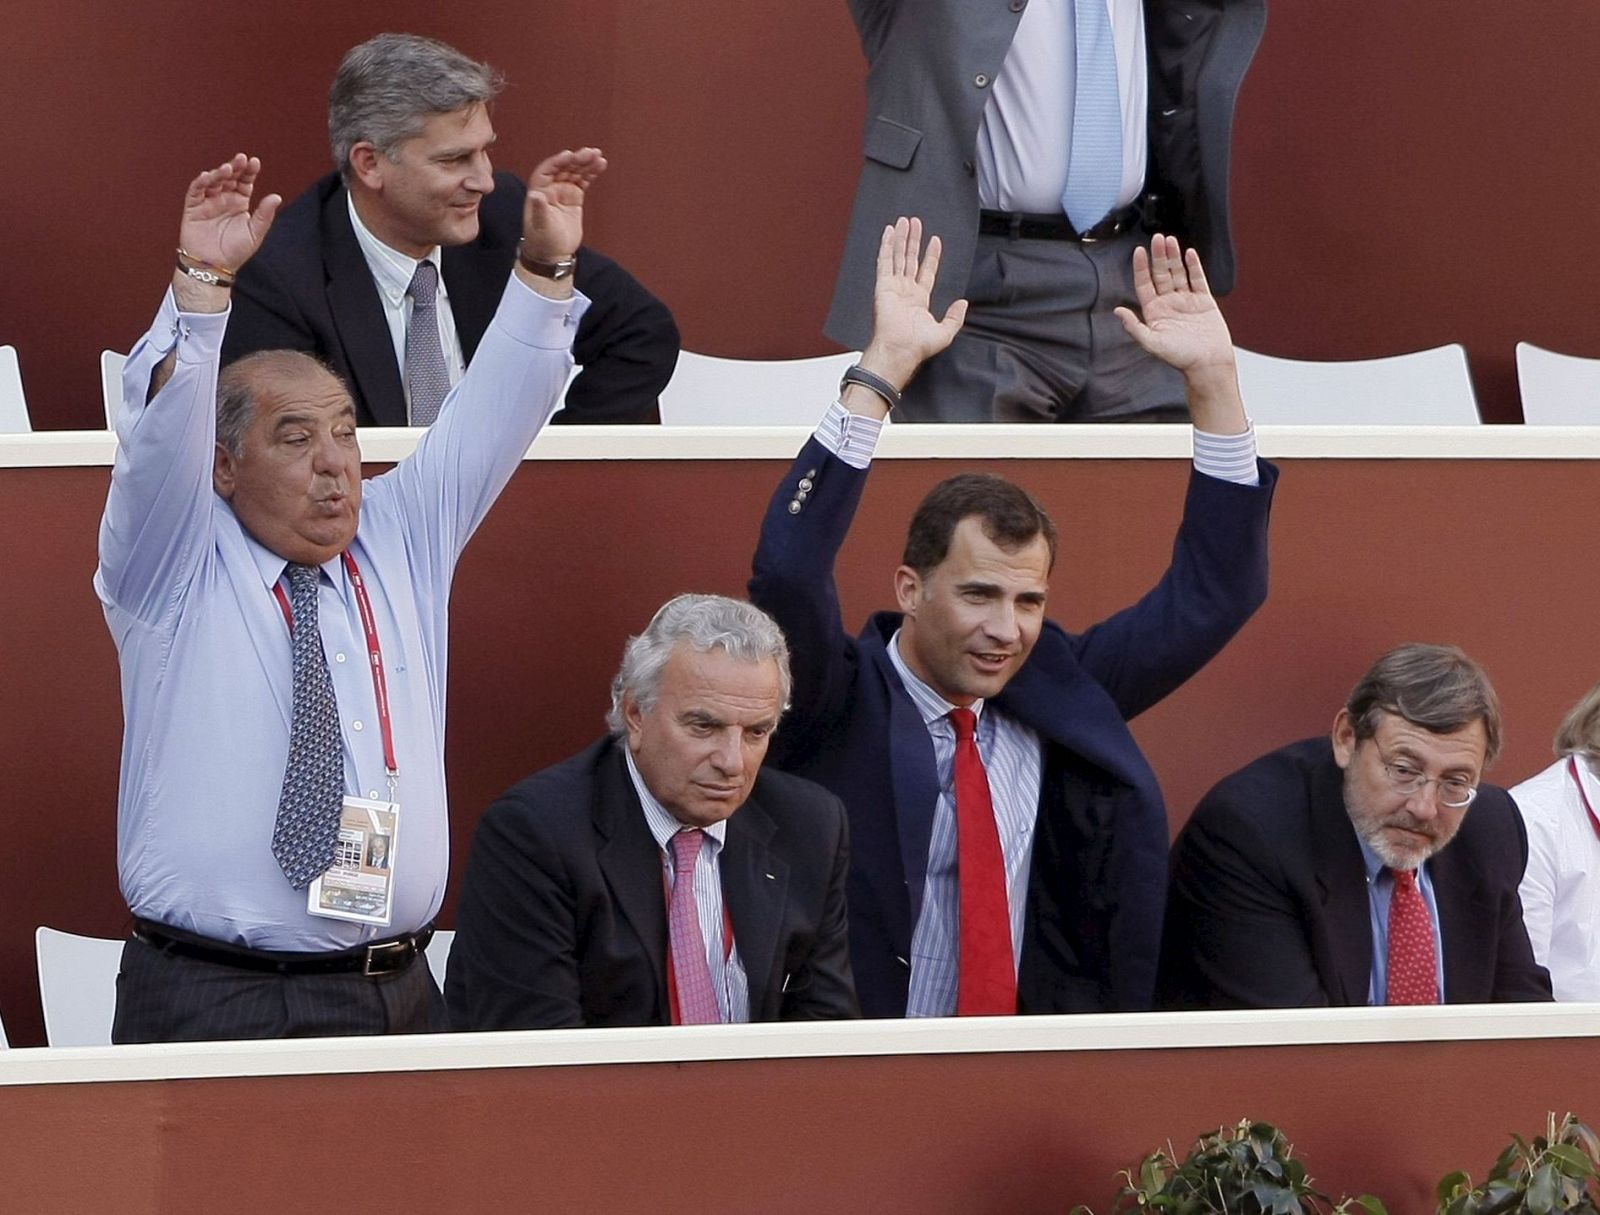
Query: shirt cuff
[1228, 457]
[852, 437]
[537, 320]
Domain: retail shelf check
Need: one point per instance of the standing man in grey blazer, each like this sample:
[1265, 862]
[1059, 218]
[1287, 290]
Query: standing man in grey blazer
[1042, 140]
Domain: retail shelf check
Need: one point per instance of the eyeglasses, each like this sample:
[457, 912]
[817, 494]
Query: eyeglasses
[1405, 778]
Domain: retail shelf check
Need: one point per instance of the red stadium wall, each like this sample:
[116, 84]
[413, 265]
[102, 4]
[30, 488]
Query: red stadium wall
[1403, 177]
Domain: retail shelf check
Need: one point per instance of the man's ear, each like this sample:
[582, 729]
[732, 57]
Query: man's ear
[224, 473]
[364, 158]
[632, 719]
[907, 589]
[1344, 738]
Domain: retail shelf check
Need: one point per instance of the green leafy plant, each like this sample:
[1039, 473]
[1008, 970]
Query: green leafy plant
[1248, 1169]
[1558, 1171]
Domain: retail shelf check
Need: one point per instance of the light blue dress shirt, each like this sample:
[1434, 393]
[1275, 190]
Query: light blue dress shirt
[727, 970]
[204, 650]
[1380, 890]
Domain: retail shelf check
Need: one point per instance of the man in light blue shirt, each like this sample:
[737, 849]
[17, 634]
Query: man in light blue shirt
[226, 494]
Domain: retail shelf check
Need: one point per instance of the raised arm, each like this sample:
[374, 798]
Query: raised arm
[157, 513]
[1179, 323]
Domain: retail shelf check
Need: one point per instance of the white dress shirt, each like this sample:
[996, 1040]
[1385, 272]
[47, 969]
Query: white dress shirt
[1561, 888]
[205, 654]
[1025, 137]
[391, 274]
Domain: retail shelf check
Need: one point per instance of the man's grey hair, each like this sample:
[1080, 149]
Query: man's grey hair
[704, 623]
[387, 87]
[239, 386]
[1436, 687]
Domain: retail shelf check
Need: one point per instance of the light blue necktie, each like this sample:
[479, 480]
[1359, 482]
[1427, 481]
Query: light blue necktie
[313, 779]
[1094, 168]
[427, 381]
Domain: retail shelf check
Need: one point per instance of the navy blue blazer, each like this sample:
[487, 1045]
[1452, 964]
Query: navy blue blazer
[1269, 904]
[309, 288]
[1096, 890]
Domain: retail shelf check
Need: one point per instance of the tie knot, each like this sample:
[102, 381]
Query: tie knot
[424, 284]
[1404, 878]
[966, 723]
[686, 849]
[303, 576]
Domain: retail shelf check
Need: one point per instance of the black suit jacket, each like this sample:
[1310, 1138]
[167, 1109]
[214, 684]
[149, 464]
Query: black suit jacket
[309, 288]
[1268, 904]
[563, 919]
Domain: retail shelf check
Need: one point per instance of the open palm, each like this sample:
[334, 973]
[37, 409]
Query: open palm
[1178, 319]
[903, 328]
[217, 225]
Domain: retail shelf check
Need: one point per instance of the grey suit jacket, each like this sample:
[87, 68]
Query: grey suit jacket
[932, 62]
[563, 919]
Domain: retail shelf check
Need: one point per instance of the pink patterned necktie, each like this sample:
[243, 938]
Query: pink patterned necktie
[1413, 968]
[697, 996]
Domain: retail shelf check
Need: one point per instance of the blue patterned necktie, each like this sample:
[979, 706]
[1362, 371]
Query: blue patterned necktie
[313, 779]
[427, 380]
[1094, 167]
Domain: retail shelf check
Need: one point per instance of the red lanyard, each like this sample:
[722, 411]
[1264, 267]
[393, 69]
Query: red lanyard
[727, 950]
[1572, 767]
[380, 686]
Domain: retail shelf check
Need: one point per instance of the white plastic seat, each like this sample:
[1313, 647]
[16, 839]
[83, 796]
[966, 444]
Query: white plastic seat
[1425, 388]
[77, 986]
[13, 405]
[709, 391]
[111, 384]
[1557, 389]
[438, 954]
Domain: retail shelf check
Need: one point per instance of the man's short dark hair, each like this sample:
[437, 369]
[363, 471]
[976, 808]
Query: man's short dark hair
[1009, 515]
[1436, 687]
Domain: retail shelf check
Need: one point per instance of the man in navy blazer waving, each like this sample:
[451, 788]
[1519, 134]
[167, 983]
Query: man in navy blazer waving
[1008, 838]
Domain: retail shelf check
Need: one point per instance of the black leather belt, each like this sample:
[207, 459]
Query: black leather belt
[1019, 225]
[378, 958]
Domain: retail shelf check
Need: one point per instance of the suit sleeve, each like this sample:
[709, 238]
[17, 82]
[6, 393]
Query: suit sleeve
[872, 18]
[1517, 976]
[265, 316]
[514, 964]
[823, 989]
[792, 580]
[627, 346]
[1235, 935]
[1216, 580]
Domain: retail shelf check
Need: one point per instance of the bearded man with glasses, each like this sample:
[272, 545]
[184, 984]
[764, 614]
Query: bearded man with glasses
[1346, 870]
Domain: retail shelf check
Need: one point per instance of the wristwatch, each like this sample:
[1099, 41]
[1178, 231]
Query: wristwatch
[557, 270]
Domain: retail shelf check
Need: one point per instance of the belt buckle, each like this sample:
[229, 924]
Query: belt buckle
[375, 952]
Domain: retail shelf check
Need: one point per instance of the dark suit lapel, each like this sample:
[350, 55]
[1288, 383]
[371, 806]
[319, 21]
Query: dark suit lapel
[914, 771]
[631, 862]
[1342, 881]
[475, 278]
[359, 319]
[1468, 966]
[755, 884]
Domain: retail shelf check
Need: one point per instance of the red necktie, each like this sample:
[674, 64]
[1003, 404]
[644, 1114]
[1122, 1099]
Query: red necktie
[696, 994]
[988, 985]
[1413, 971]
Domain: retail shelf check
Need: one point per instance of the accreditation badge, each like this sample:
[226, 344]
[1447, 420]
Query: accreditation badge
[359, 885]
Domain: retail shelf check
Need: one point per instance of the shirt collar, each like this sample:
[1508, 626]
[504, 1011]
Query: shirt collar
[930, 704]
[660, 821]
[391, 269]
[271, 567]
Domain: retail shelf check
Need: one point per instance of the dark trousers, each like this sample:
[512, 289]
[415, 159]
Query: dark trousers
[165, 998]
[1043, 344]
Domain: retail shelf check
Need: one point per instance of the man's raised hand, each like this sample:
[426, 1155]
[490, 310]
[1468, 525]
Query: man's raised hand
[218, 226]
[1180, 324]
[905, 334]
[552, 218]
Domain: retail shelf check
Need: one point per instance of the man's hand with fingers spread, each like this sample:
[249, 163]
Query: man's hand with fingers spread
[218, 232]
